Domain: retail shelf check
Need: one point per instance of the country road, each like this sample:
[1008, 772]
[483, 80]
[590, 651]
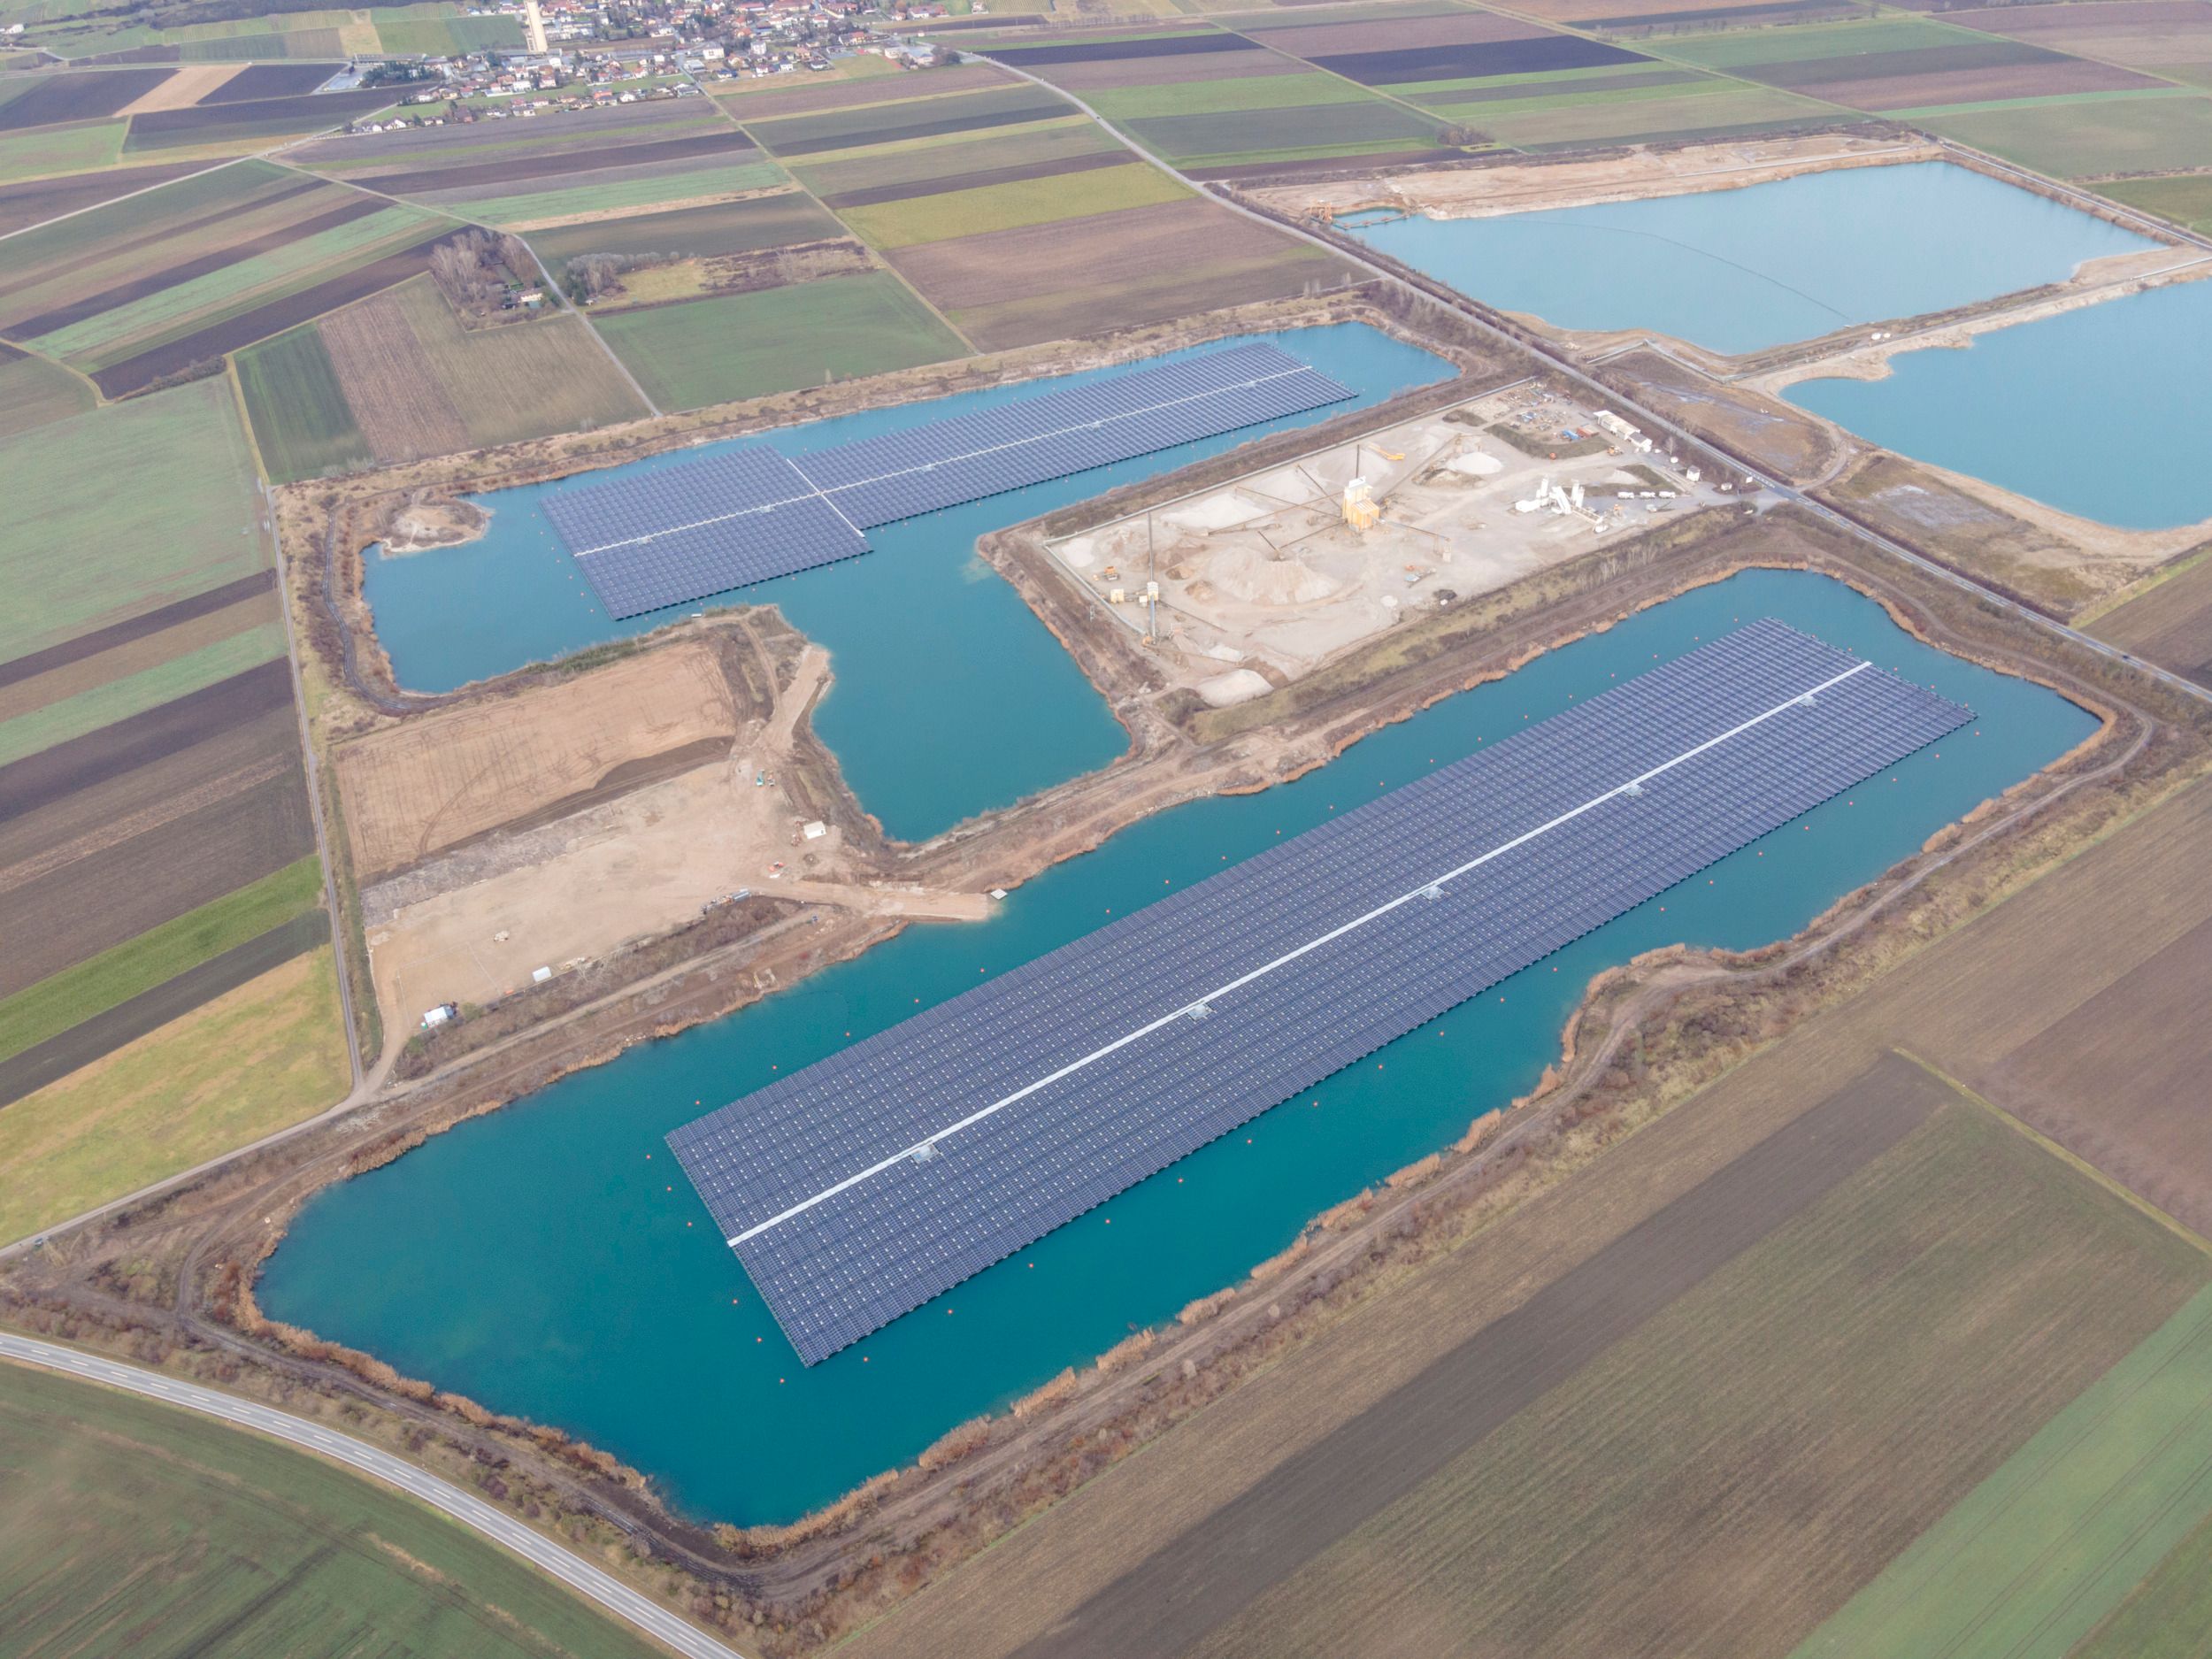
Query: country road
[593, 1583]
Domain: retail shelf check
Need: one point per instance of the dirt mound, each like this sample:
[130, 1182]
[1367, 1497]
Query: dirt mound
[1255, 578]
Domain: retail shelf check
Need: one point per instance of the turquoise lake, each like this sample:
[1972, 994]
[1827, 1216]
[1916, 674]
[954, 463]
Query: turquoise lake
[1740, 269]
[549, 1259]
[922, 635]
[2099, 411]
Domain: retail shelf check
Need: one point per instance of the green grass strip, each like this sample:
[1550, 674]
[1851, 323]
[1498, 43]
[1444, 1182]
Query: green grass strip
[158, 955]
[2034, 1558]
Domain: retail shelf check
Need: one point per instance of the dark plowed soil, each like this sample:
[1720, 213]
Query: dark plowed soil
[977, 180]
[1200, 1579]
[79, 97]
[41, 199]
[62, 770]
[75, 912]
[736, 146]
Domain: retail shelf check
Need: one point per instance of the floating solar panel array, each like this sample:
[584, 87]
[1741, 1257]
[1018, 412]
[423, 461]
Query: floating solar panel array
[857, 1189]
[680, 532]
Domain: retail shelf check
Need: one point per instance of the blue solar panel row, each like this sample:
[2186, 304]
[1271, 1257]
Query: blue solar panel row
[857, 1189]
[746, 515]
[678, 533]
[878, 480]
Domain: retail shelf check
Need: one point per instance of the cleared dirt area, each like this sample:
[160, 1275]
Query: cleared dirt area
[455, 774]
[1266, 579]
[578, 816]
[1521, 187]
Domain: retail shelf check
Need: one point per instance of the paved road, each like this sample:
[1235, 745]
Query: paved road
[580, 1575]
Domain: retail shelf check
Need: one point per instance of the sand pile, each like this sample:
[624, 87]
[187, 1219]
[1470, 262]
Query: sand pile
[1257, 578]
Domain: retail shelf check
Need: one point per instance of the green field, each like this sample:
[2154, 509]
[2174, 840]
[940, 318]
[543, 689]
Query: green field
[1723, 1478]
[947, 159]
[1202, 97]
[721, 227]
[33, 393]
[56, 150]
[125, 331]
[2186, 200]
[256, 1059]
[81, 551]
[301, 420]
[1805, 42]
[149, 687]
[718, 351]
[2042, 1551]
[2089, 138]
[2166, 1616]
[113, 977]
[536, 207]
[1005, 206]
[1238, 136]
[1724, 107]
[134, 1527]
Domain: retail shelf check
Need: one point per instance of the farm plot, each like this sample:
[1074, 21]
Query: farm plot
[442, 30]
[150, 286]
[958, 162]
[2186, 200]
[37, 200]
[73, 96]
[2097, 139]
[449, 778]
[45, 153]
[2171, 623]
[257, 121]
[762, 101]
[157, 1519]
[691, 233]
[906, 121]
[1083, 276]
[1639, 1415]
[2171, 38]
[1714, 110]
[1905, 63]
[80, 554]
[2049, 1547]
[726, 348]
[35, 392]
[1044, 198]
[150, 770]
[398, 377]
[1213, 98]
[551, 168]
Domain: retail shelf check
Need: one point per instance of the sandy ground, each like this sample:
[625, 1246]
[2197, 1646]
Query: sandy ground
[1262, 579]
[443, 778]
[475, 926]
[188, 86]
[1471, 193]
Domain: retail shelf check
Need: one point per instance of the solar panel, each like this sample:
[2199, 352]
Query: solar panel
[678, 533]
[747, 514]
[857, 1189]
